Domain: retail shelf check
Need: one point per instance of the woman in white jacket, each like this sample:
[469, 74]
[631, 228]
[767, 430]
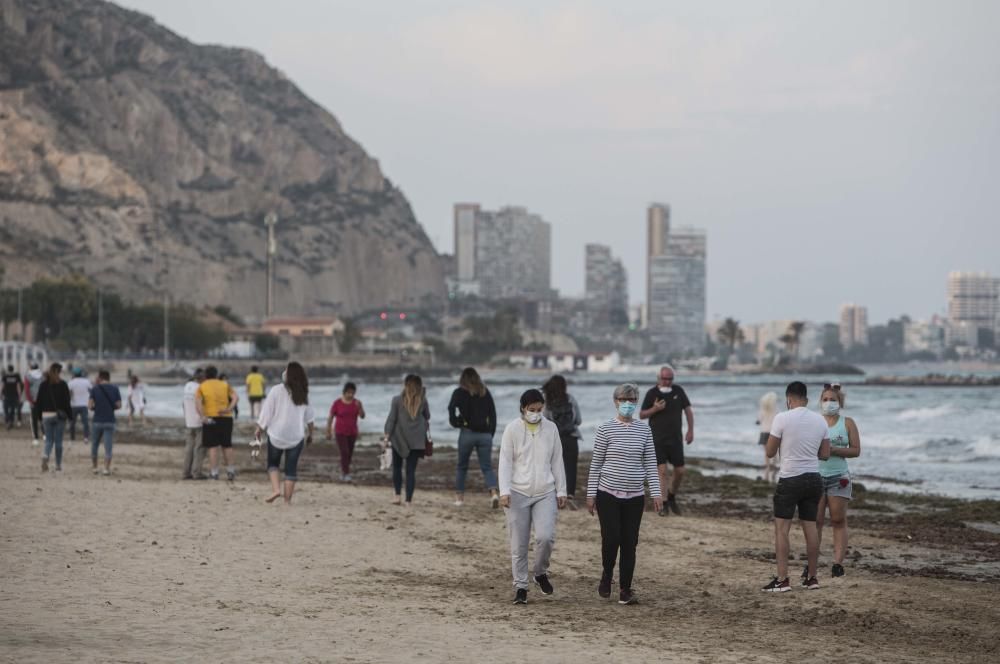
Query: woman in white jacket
[532, 489]
[288, 420]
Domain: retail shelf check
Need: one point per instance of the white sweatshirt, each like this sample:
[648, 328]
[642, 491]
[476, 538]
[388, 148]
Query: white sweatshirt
[531, 463]
[286, 424]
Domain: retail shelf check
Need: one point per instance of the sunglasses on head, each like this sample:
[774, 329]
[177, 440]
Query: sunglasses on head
[831, 386]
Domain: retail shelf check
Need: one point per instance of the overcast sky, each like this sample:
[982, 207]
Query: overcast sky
[834, 151]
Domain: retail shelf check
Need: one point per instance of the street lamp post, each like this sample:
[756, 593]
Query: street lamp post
[272, 248]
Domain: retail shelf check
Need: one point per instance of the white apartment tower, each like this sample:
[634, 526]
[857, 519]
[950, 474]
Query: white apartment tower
[973, 304]
[853, 326]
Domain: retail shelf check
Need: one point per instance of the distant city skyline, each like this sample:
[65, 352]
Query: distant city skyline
[833, 152]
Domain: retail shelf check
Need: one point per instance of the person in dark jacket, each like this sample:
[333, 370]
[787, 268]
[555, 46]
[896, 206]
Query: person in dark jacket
[52, 405]
[472, 410]
[562, 409]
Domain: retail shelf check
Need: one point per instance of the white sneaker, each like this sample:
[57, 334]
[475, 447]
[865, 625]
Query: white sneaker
[105, 472]
[34, 443]
[459, 503]
[97, 471]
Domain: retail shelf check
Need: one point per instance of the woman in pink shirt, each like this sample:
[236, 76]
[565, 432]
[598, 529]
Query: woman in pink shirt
[346, 410]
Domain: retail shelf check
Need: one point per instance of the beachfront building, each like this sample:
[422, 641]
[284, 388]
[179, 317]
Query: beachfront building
[973, 309]
[853, 326]
[606, 288]
[593, 362]
[306, 337]
[925, 336]
[503, 254]
[676, 277]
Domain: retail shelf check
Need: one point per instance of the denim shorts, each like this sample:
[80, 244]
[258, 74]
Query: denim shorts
[839, 486]
[801, 492]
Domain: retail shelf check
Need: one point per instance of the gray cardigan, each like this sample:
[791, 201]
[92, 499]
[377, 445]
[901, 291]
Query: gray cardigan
[407, 434]
[577, 418]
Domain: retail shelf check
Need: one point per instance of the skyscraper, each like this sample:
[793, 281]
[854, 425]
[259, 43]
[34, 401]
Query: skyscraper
[507, 252]
[853, 326]
[606, 290]
[676, 282]
[657, 231]
[973, 306]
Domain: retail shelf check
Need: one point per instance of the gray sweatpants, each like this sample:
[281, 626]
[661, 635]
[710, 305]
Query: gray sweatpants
[194, 453]
[523, 513]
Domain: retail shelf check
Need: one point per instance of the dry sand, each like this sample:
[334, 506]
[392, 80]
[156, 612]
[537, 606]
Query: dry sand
[142, 567]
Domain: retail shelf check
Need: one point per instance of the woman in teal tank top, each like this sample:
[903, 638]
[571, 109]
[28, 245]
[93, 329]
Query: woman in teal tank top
[845, 443]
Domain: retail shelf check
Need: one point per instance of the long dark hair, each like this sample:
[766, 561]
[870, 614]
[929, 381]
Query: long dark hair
[555, 390]
[297, 383]
[471, 382]
[52, 375]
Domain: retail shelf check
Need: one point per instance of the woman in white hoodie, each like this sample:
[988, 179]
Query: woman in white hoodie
[532, 489]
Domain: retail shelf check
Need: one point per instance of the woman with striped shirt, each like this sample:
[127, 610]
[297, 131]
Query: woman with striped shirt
[622, 461]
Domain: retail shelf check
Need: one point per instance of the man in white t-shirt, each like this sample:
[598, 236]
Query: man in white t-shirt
[803, 440]
[194, 453]
[79, 397]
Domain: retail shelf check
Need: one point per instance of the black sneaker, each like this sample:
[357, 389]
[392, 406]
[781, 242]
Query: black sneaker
[663, 511]
[521, 596]
[837, 570]
[805, 572]
[604, 588]
[213, 476]
[544, 583]
[672, 504]
[811, 583]
[777, 586]
[626, 596]
[230, 475]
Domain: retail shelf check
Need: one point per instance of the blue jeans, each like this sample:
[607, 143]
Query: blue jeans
[482, 443]
[54, 428]
[84, 415]
[291, 460]
[100, 430]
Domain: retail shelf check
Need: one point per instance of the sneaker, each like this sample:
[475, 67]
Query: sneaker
[521, 596]
[230, 475]
[805, 573]
[213, 476]
[811, 583]
[837, 570]
[34, 443]
[348, 478]
[106, 472]
[188, 477]
[96, 470]
[626, 596]
[777, 586]
[459, 503]
[544, 583]
[663, 511]
[495, 503]
[604, 588]
[45, 465]
[672, 504]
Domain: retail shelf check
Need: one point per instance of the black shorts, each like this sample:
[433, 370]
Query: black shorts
[217, 434]
[669, 451]
[256, 399]
[802, 492]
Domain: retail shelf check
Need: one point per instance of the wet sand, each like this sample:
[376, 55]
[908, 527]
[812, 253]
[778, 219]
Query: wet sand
[143, 567]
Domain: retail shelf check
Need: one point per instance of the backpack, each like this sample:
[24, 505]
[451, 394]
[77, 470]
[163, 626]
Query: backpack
[564, 418]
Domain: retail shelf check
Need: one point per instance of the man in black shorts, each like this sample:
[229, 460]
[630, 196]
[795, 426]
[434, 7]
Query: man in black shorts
[803, 439]
[663, 406]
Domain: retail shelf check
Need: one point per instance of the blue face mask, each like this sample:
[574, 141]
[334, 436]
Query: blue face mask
[626, 408]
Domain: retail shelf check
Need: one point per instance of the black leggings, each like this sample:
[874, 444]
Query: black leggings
[571, 455]
[620, 519]
[411, 472]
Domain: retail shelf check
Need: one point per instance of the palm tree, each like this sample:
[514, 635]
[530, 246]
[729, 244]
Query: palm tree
[730, 334]
[789, 341]
[795, 332]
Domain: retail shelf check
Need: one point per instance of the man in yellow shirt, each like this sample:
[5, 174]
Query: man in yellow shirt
[255, 391]
[215, 401]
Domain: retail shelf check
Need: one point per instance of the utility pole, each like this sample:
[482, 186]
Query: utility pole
[166, 327]
[20, 317]
[272, 248]
[100, 325]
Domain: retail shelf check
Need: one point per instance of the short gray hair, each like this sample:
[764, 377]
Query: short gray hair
[627, 391]
[669, 368]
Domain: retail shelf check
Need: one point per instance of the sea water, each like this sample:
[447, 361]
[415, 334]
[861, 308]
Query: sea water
[943, 440]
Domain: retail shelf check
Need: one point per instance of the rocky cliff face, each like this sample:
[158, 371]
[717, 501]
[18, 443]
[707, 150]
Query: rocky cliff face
[147, 162]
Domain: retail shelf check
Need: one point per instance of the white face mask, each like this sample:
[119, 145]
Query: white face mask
[666, 390]
[830, 407]
[532, 417]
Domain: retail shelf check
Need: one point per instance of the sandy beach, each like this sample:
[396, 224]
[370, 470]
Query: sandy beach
[142, 567]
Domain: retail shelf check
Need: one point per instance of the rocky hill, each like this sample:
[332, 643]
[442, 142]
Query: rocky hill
[147, 162]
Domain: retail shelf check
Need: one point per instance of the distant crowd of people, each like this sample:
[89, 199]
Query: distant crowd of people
[639, 450]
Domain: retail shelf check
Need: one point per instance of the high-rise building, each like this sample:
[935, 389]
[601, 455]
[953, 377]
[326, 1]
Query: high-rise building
[606, 291]
[676, 279]
[853, 326]
[973, 307]
[506, 252]
[657, 231]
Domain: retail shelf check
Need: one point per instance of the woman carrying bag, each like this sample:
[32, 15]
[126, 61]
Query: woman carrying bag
[407, 430]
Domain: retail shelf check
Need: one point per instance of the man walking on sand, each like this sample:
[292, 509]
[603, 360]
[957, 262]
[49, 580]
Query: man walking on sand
[13, 388]
[803, 438]
[256, 389]
[663, 406]
[215, 401]
[194, 453]
[105, 399]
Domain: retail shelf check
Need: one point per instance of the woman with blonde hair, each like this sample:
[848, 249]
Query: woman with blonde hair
[765, 417]
[845, 443]
[407, 430]
[472, 411]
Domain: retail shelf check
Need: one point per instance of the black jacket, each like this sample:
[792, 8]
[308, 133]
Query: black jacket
[53, 398]
[475, 413]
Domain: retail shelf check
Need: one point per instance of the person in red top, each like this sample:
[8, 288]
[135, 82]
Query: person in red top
[346, 410]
